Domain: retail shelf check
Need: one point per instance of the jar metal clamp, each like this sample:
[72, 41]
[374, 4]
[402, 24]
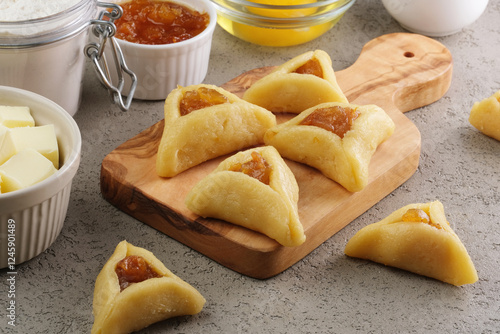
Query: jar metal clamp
[104, 29]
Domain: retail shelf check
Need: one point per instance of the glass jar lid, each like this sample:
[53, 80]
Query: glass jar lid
[47, 29]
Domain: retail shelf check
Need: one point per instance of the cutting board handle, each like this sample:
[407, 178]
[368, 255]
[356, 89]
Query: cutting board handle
[412, 69]
[399, 71]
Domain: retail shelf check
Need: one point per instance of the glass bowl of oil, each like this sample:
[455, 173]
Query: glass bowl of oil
[279, 23]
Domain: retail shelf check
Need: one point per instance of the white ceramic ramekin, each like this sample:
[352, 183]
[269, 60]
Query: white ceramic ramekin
[435, 17]
[160, 68]
[32, 218]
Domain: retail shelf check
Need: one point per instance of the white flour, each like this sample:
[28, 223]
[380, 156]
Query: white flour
[20, 10]
[51, 69]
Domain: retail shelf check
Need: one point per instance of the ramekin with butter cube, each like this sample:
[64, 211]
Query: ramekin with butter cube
[28, 153]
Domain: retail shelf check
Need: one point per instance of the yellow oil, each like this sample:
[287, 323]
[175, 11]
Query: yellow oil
[280, 37]
[283, 13]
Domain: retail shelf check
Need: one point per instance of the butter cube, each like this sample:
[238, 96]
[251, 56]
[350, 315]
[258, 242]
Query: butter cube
[24, 169]
[41, 138]
[16, 116]
[7, 148]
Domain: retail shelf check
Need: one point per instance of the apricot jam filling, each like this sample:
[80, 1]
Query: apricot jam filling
[336, 119]
[418, 216]
[200, 98]
[133, 269]
[312, 66]
[257, 168]
[159, 22]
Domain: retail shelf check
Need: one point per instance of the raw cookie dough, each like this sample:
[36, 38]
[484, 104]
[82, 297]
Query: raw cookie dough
[300, 83]
[485, 116]
[143, 303]
[236, 197]
[417, 238]
[229, 125]
[344, 159]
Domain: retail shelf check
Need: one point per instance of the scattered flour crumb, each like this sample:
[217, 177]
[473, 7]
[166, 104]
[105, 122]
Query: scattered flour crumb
[20, 10]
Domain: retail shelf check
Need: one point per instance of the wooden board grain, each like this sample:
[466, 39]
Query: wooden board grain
[399, 72]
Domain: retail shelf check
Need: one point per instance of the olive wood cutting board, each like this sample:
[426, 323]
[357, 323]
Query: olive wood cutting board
[398, 72]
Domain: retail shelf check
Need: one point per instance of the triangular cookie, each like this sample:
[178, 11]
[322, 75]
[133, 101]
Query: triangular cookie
[485, 116]
[255, 189]
[196, 131]
[143, 303]
[338, 139]
[417, 238]
[300, 83]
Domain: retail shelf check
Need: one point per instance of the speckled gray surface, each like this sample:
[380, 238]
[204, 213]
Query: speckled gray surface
[326, 292]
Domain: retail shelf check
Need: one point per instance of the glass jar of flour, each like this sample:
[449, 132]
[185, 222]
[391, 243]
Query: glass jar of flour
[43, 45]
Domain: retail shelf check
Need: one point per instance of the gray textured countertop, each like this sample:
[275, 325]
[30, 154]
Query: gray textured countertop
[326, 292]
